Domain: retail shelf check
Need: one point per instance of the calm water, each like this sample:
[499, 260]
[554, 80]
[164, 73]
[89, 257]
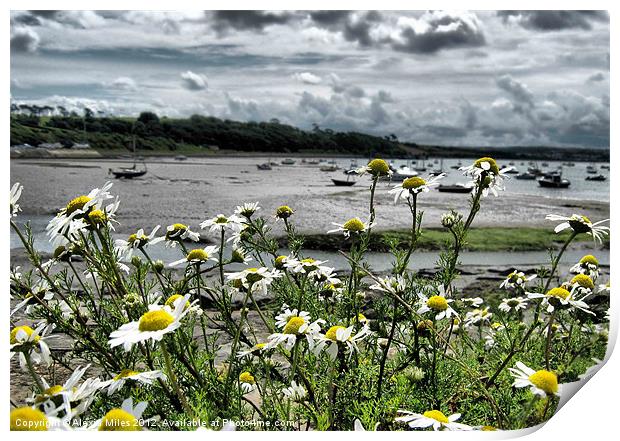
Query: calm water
[377, 261]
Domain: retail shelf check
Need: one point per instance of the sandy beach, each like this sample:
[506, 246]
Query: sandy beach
[193, 190]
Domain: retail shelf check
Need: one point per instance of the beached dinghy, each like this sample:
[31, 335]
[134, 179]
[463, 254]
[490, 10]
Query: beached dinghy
[456, 188]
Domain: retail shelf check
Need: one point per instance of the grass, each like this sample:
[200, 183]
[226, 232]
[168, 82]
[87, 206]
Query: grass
[479, 239]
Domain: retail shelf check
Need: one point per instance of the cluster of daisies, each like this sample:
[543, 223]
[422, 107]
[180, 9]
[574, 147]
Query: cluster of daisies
[91, 217]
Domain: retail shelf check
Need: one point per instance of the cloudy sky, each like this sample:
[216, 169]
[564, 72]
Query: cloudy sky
[453, 78]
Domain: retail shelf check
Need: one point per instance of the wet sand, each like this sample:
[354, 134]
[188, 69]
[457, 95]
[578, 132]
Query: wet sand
[199, 188]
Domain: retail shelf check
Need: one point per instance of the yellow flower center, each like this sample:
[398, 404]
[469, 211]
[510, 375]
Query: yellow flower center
[545, 380]
[27, 329]
[279, 262]
[173, 298]
[293, 325]
[512, 303]
[133, 238]
[413, 183]
[437, 416]
[260, 345]
[361, 318]
[97, 217]
[119, 420]
[438, 303]
[198, 254]
[28, 419]
[331, 332]
[424, 325]
[493, 165]
[76, 204]
[378, 167]
[155, 320]
[54, 390]
[284, 212]
[177, 230]
[589, 259]
[246, 377]
[488, 429]
[583, 281]
[355, 225]
[125, 373]
[559, 293]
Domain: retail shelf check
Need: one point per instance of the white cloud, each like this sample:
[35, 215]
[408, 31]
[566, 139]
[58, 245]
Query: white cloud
[194, 81]
[124, 83]
[307, 78]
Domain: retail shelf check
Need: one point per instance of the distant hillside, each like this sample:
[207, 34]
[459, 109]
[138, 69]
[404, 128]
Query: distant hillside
[199, 134]
[153, 133]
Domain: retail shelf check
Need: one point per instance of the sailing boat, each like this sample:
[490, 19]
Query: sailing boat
[130, 172]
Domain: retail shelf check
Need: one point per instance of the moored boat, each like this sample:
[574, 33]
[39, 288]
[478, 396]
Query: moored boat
[553, 180]
[456, 188]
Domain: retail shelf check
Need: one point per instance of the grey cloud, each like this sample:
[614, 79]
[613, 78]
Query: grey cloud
[24, 40]
[596, 78]
[435, 31]
[329, 18]
[194, 81]
[517, 90]
[554, 20]
[358, 29]
[249, 20]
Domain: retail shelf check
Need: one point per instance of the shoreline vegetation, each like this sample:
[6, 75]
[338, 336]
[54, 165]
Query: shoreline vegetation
[210, 136]
[479, 239]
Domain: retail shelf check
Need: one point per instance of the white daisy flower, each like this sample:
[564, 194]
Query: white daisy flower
[542, 383]
[179, 232]
[487, 175]
[559, 296]
[126, 248]
[437, 304]
[582, 284]
[247, 209]
[258, 279]
[478, 317]
[415, 185]
[352, 226]
[431, 418]
[513, 304]
[587, 265]
[473, 302]
[16, 192]
[376, 167]
[72, 218]
[337, 337]
[198, 256]
[247, 382]
[294, 326]
[119, 380]
[25, 340]
[516, 280]
[324, 275]
[233, 224]
[125, 418]
[152, 325]
[580, 224]
[390, 284]
[304, 266]
[295, 392]
[41, 289]
[253, 351]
